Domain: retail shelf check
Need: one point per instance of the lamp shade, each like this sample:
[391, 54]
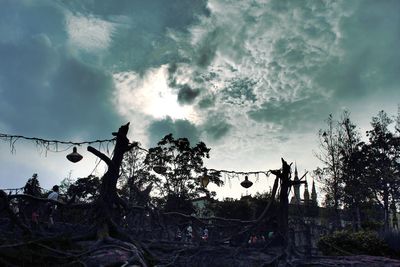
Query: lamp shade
[204, 180]
[246, 183]
[160, 169]
[74, 156]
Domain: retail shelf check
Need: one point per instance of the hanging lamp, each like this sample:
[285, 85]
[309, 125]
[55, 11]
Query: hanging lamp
[160, 168]
[74, 156]
[246, 183]
[204, 180]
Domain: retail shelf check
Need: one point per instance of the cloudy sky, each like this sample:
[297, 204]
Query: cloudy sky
[253, 79]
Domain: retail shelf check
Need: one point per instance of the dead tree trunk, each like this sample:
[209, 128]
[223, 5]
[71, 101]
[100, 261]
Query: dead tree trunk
[109, 202]
[283, 208]
[284, 174]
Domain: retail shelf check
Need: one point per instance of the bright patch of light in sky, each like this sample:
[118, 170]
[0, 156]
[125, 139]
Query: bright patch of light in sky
[150, 95]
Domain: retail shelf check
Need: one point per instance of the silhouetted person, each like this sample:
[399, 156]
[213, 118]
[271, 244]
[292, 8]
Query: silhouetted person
[52, 206]
[189, 233]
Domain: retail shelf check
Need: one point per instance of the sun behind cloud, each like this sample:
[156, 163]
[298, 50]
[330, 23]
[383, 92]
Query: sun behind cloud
[149, 95]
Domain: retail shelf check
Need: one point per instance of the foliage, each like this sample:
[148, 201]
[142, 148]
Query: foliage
[233, 209]
[66, 183]
[84, 189]
[331, 172]
[371, 225]
[135, 175]
[358, 174]
[259, 202]
[393, 240]
[32, 187]
[381, 164]
[246, 208]
[184, 166]
[179, 203]
[350, 159]
[346, 242]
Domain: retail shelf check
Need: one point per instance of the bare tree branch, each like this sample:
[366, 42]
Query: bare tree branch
[102, 156]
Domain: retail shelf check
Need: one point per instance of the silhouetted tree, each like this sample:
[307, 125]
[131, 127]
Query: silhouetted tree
[66, 183]
[381, 166]
[357, 174]
[260, 201]
[355, 186]
[183, 166]
[330, 174]
[32, 186]
[84, 189]
[246, 208]
[232, 209]
[136, 177]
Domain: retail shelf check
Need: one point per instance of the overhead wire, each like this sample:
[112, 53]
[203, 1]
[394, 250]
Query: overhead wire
[48, 143]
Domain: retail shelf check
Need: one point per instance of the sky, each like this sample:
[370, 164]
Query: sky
[253, 79]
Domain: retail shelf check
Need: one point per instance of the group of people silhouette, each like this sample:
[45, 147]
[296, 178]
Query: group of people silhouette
[34, 209]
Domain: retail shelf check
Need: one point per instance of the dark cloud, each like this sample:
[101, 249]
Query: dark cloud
[85, 94]
[187, 95]
[371, 59]
[47, 92]
[297, 115]
[216, 128]
[179, 128]
[239, 91]
[282, 139]
[205, 52]
[207, 101]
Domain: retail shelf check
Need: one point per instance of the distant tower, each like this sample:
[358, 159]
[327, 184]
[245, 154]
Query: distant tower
[306, 194]
[296, 186]
[314, 194]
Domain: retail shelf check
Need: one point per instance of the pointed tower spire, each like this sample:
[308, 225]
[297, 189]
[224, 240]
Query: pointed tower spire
[314, 194]
[306, 193]
[296, 186]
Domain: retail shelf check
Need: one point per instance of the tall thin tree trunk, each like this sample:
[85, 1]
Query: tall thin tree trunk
[337, 221]
[284, 210]
[358, 214]
[386, 209]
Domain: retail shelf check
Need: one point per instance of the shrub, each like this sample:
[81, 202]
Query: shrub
[393, 240]
[346, 243]
[372, 225]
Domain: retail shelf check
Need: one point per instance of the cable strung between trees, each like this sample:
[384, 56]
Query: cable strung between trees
[267, 173]
[47, 143]
[9, 136]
